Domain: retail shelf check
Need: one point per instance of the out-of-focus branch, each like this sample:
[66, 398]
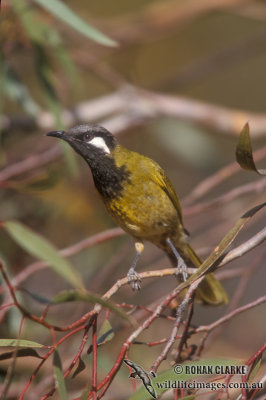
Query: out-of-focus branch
[218, 177]
[130, 107]
[256, 186]
[244, 248]
[229, 316]
[131, 103]
[212, 116]
[240, 289]
[31, 163]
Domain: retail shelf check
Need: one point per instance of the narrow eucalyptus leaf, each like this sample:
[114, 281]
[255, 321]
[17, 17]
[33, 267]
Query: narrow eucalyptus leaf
[20, 353]
[19, 343]
[40, 248]
[63, 12]
[59, 376]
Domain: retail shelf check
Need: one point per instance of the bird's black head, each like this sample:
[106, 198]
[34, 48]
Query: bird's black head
[90, 141]
[95, 144]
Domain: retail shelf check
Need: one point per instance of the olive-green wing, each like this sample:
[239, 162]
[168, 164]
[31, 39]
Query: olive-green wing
[158, 176]
[149, 167]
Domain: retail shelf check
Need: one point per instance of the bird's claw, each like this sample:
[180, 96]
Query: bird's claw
[134, 279]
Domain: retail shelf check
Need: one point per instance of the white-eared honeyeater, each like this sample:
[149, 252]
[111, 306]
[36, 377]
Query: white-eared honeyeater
[141, 199]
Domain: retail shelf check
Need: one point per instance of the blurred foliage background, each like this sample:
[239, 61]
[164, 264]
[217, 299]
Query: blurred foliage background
[53, 64]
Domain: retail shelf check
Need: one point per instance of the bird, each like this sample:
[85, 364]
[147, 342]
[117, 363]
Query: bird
[141, 200]
[140, 373]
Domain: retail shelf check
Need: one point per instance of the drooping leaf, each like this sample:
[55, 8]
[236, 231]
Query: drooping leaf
[81, 366]
[40, 248]
[20, 353]
[106, 333]
[19, 343]
[222, 246]
[77, 295]
[59, 377]
[244, 155]
[63, 12]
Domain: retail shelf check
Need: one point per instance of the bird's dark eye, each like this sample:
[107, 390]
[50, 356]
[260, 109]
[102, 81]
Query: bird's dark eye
[88, 136]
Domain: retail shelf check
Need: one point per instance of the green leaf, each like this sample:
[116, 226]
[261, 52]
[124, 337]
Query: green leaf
[244, 155]
[222, 246]
[63, 12]
[20, 353]
[59, 377]
[84, 295]
[254, 368]
[34, 27]
[106, 333]
[171, 376]
[40, 248]
[19, 343]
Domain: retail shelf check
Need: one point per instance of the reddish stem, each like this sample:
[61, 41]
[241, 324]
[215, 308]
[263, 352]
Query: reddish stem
[94, 359]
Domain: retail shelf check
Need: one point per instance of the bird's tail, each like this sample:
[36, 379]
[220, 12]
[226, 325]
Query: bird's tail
[210, 291]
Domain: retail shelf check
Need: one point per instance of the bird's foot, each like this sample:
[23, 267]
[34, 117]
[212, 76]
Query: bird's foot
[181, 265]
[182, 268]
[134, 279]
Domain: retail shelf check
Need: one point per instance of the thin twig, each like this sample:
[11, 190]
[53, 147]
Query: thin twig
[255, 186]
[77, 356]
[245, 247]
[180, 311]
[184, 336]
[219, 177]
[255, 303]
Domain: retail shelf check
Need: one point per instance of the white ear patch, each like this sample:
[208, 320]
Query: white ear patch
[100, 144]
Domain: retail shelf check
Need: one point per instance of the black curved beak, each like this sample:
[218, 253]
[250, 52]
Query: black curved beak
[57, 134]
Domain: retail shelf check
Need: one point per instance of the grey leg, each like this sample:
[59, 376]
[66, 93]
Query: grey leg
[132, 276]
[181, 265]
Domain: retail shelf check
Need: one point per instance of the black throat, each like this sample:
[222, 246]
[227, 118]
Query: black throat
[108, 178]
